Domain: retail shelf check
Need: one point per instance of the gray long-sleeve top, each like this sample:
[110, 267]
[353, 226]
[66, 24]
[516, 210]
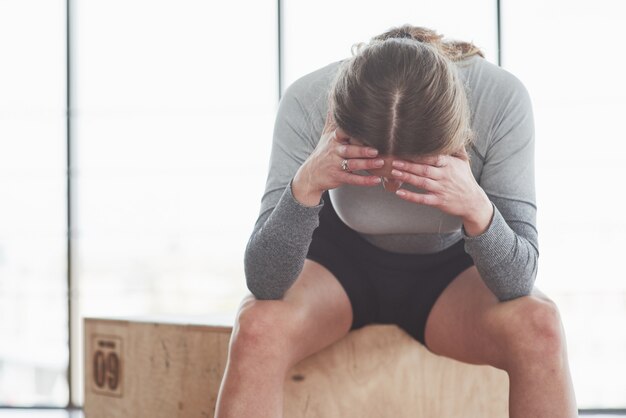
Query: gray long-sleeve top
[502, 161]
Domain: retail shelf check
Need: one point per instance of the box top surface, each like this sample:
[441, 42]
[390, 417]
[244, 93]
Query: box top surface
[212, 319]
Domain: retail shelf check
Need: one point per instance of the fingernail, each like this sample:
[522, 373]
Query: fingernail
[372, 152]
[396, 173]
[378, 180]
[398, 164]
[400, 192]
[379, 163]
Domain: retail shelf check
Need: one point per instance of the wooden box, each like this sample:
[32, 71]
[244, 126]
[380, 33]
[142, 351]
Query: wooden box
[172, 367]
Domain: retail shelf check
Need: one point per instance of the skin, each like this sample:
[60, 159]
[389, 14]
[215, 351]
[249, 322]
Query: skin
[322, 169]
[523, 336]
[270, 336]
[447, 179]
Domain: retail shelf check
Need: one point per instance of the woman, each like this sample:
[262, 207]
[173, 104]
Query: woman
[400, 190]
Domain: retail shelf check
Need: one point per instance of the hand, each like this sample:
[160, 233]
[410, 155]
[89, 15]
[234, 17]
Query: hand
[449, 185]
[322, 170]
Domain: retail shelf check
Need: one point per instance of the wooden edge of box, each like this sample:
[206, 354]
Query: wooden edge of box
[214, 323]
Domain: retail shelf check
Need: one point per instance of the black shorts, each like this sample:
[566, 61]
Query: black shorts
[384, 287]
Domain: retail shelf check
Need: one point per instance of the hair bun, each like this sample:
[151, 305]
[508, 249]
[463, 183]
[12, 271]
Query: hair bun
[455, 50]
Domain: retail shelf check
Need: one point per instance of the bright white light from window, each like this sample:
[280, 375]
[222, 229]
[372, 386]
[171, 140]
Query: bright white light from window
[175, 105]
[317, 33]
[33, 281]
[569, 56]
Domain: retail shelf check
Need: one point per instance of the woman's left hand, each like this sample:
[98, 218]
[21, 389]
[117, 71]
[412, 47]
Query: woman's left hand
[449, 185]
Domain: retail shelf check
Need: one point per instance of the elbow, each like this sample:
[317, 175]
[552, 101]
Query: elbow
[522, 286]
[528, 282]
[525, 288]
[510, 294]
[257, 279]
[268, 277]
[262, 290]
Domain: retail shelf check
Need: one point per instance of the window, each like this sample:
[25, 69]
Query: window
[567, 54]
[174, 118]
[317, 33]
[33, 257]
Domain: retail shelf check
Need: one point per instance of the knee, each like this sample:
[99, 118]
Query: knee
[263, 329]
[535, 331]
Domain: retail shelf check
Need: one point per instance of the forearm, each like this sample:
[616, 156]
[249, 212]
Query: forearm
[479, 214]
[277, 248]
[302, 190]
[506, 260]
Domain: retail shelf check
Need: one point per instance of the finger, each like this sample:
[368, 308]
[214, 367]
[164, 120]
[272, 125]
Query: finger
[462, 154]
[423, 170]
[356, 151]
[432, 160]
[356, 164]
[341, 135]
[329, 124]
[359, 180]
[420, 182]
[419, 198]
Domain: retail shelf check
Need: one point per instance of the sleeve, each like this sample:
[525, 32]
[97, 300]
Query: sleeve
[506, 254]
[281, 236]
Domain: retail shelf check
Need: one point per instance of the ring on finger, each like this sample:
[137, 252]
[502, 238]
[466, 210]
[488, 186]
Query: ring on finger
[344, 165]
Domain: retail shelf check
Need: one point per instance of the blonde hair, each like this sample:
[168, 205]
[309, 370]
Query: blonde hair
[400, 93]
[452, 49]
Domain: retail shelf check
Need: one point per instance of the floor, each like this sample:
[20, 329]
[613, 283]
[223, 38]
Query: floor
[39, 413]
[42, 413]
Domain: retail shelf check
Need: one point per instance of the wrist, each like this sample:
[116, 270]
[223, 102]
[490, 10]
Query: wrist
[479, 217]
[303, 190]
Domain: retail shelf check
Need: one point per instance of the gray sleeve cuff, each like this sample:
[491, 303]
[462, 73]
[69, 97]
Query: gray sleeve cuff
[289, 193]
[506, 262]
[297, 221]
[492, 246]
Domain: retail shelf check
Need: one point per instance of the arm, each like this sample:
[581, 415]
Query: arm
[506, 253]
[278, 246]
[279, 242]
[499, 211]
[307, 152]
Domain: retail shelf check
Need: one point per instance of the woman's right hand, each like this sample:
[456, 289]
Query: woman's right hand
[323, 171]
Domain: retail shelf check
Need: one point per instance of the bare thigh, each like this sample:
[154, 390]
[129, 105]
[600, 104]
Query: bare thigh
[469, 324]
[314, 313]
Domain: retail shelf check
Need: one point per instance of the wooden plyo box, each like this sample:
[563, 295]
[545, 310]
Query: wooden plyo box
[173, 367]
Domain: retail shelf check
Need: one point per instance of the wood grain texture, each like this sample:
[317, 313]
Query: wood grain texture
[380, 371]
[174, 369]
[168, 370]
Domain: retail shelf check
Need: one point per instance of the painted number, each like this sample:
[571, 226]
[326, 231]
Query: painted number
[107, 364]
[106, 370]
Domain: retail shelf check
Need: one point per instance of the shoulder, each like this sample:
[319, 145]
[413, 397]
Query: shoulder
[498, 99]
[496, 88]
[488, 78]
[305, 102]
[314, 86]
